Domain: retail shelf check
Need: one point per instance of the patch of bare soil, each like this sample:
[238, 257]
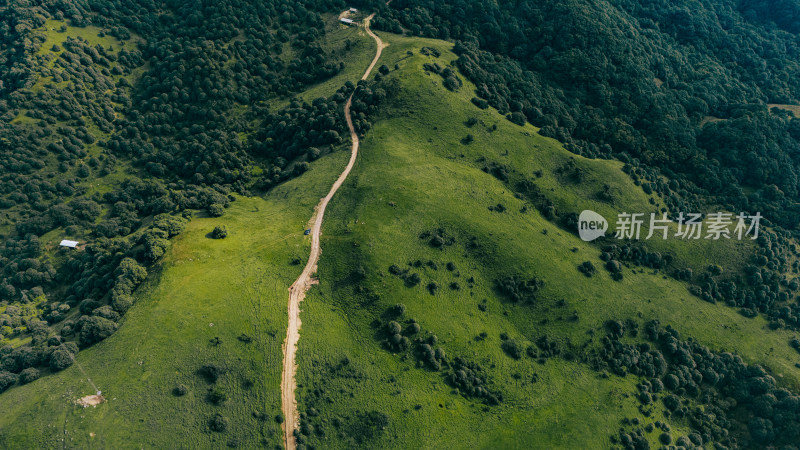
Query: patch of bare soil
[91, 400]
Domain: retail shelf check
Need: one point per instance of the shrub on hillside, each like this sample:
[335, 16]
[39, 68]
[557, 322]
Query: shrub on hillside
[95, 329]
[587, 268]
[218, 423]
[60, 359]
[216, 210]
[480, 103]
[512, 348]
[180, 390]
[517, 290]
[28, 375]
[7, 379]
[219, 232]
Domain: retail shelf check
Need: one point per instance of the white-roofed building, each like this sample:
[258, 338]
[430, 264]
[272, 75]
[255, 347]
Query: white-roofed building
[68, 243]
[347, 21]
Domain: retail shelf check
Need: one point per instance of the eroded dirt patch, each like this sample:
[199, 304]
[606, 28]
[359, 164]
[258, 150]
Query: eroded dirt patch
[91, 400]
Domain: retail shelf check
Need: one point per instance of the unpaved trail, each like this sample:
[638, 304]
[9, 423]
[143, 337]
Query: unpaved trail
[297, 291]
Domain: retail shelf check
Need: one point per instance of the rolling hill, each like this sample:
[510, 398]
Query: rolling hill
[454, 303]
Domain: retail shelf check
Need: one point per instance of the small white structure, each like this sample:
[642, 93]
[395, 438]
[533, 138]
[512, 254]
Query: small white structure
[70, 244]
[347, 21]
[353, 10]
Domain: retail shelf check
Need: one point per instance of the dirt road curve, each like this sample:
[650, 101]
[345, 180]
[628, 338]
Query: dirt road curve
[298, 290]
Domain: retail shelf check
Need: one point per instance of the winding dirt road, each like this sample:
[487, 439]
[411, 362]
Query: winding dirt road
[297, 291]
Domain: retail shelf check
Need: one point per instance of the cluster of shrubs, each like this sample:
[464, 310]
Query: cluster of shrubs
[635, 254]
[530, 191]
[570, 172]
[472, 381]
[469, 378]
[587, 268]
[547, 348]
[428, 354]
[438, 238]
[497, 170]
[24, 364]
[497, 208]
[511, 347]
[450, 78]
[410, 278]
[636, 439]
[430, 51]
[631, 253]
[517, 289]
[631, 440]
[734, 395]
[361, 427]
[397, 338]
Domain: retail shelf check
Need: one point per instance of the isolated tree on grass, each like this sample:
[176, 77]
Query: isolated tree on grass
[216, 210]
[218, 423]
[180, 390]
[219, 232]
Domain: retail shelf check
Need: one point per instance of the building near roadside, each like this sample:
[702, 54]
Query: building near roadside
[347, 21]
[353, 10]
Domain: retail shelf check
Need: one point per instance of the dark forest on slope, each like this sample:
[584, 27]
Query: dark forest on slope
[170, 117]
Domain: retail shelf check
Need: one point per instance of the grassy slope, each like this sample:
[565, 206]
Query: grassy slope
[413, 158]
[238, 284]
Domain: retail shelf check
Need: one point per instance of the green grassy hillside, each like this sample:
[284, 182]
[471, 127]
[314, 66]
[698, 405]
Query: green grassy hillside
[415, 176]
[205, 289]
